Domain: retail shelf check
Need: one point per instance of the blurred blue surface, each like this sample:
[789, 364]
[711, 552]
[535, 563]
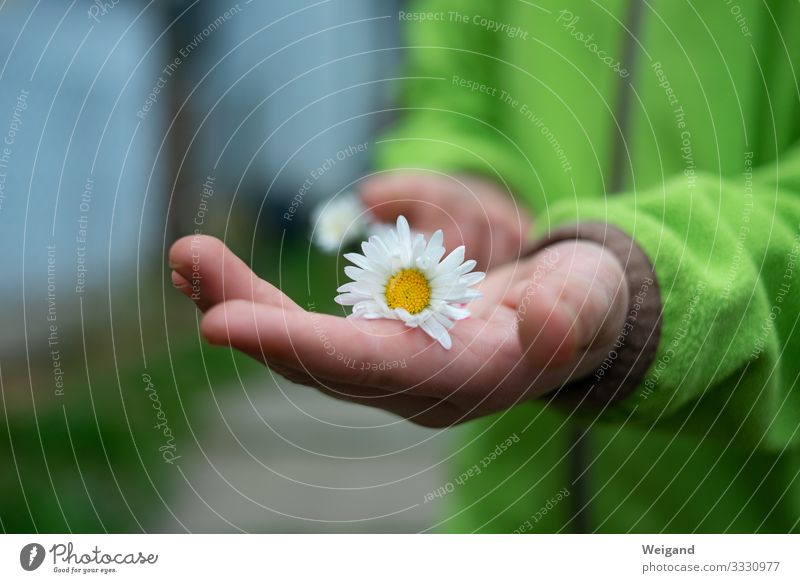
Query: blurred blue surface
[85, 81]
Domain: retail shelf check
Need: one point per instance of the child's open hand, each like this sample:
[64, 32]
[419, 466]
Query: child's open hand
[574, 297]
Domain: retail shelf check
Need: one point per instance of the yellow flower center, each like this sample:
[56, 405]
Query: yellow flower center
[408, 289]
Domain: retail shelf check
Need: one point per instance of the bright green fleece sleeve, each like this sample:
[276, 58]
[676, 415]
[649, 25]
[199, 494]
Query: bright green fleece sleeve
[726, 253]
[449, 122]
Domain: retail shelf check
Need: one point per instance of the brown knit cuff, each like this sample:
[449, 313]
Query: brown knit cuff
[636, 344]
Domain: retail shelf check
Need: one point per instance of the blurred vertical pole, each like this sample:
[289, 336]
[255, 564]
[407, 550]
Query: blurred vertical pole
[183, 19]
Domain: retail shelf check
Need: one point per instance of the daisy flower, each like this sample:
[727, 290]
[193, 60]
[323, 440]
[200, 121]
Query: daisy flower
[339, 222]
[403, 277]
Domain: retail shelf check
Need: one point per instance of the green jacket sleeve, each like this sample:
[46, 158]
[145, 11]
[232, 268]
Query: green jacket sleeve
[713, 346]
[726, 257]
[448, 124]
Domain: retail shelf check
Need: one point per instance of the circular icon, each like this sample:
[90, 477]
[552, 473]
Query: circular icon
[31, 556]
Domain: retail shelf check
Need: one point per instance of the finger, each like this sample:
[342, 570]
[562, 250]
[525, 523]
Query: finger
[209, 273]
[325, 346]
[181, 284]
[375, 353]
[576, 304]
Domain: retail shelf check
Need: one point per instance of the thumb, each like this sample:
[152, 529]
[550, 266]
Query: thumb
[574, 302]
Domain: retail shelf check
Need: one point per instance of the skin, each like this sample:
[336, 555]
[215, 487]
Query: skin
[473, 212]
[543, 320]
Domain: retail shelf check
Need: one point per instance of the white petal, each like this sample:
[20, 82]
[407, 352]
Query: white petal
[472, 278]
[455, 313]
[392, 242]
[466, 267]
[347, 299]
[403, 231]
[376, 254]
[358, 288]
[435, 249]
[358, 260]
[469, 296]
[376, 316]
[418, 246]
[381, 246]
[370, 309]
[353, 272]
[405, 316]
[452, 261]
[446, 322]
[438, 332]
[445, 279]
[430, 256]
[372, 278]
[448, 292]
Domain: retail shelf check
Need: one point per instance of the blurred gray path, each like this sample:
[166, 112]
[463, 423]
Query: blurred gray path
[292, 460]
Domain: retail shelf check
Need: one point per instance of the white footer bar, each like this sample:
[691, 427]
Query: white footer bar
[401, 558]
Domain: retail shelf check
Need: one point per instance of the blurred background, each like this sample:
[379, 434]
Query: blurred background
[124, 125]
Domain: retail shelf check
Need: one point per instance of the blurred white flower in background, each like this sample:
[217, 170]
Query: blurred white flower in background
[339, 222]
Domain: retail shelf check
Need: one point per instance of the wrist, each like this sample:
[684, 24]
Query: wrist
[573, 304]
[621, 360]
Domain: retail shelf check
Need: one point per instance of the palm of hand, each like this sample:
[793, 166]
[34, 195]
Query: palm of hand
[381, 363]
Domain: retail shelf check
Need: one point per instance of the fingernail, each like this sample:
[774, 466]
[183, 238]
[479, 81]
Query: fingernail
[178, 280]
